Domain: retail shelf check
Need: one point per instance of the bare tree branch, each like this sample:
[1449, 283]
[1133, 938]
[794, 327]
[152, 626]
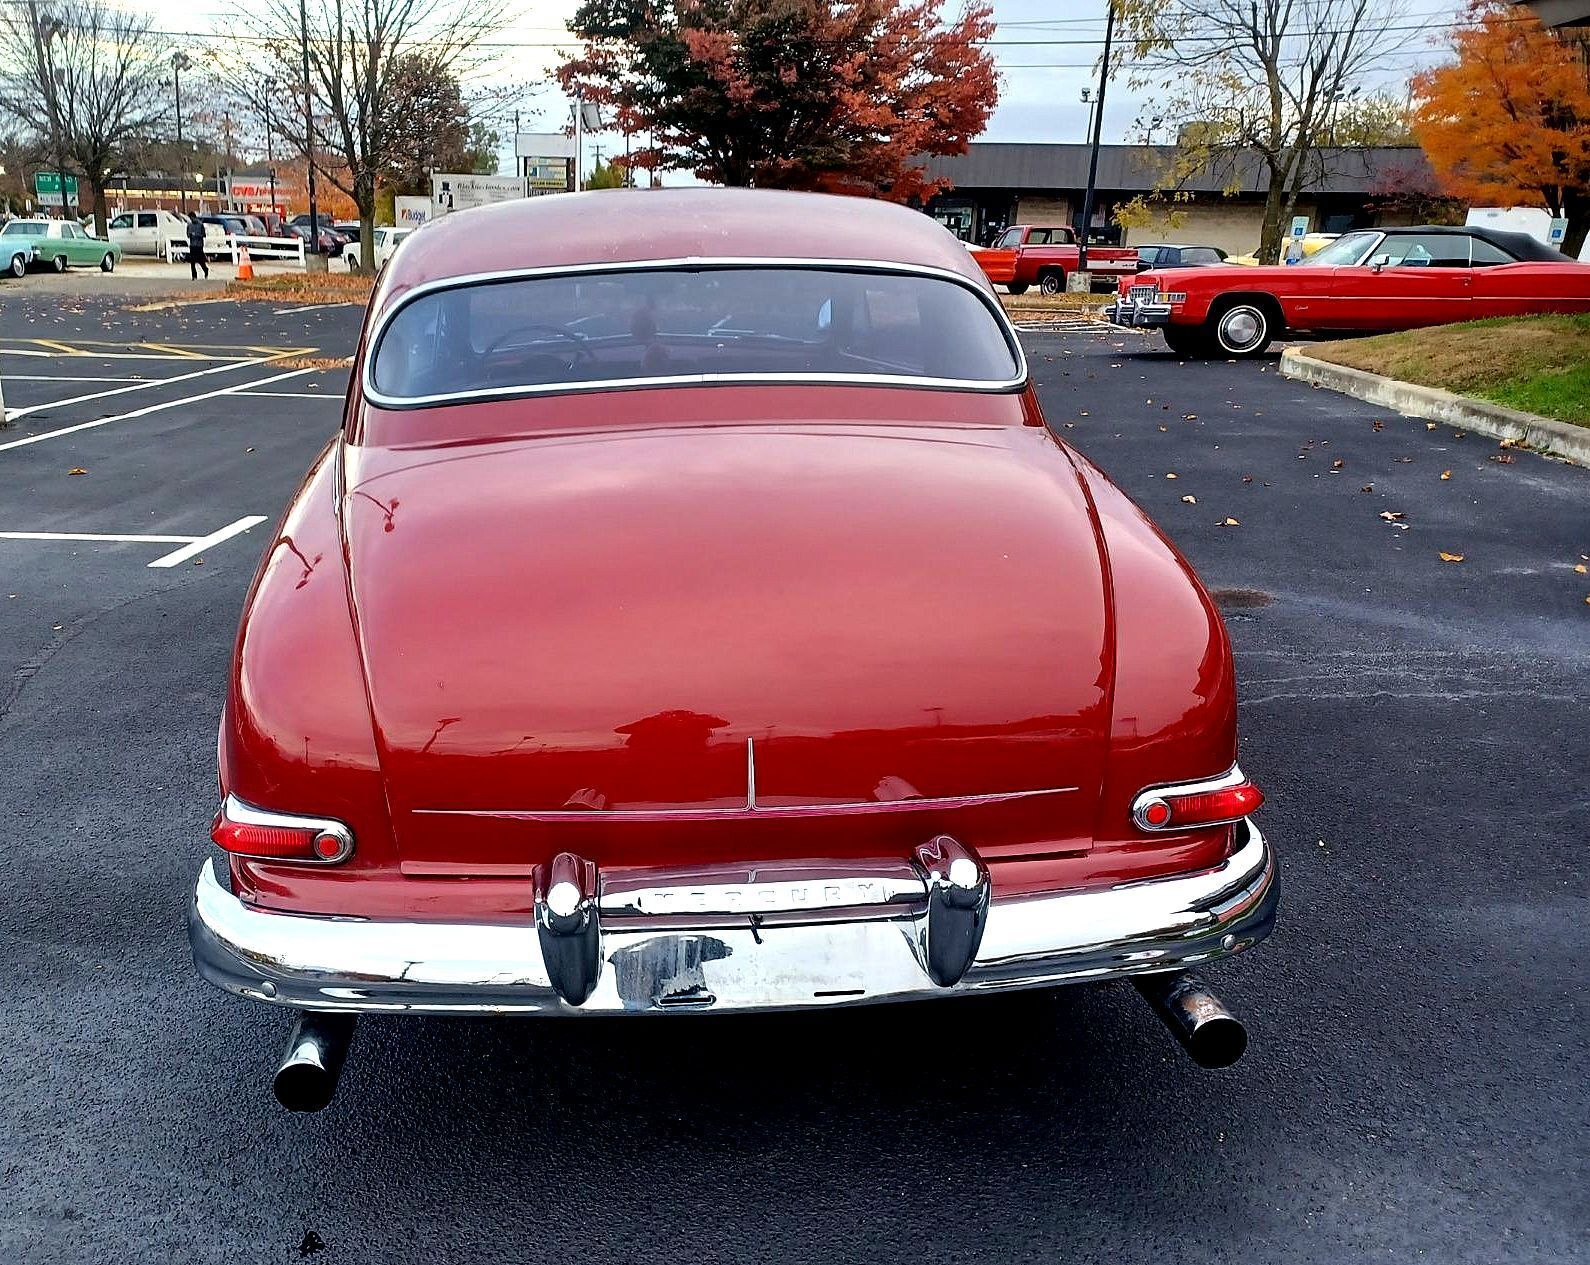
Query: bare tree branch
[92, 71]
[357, 51]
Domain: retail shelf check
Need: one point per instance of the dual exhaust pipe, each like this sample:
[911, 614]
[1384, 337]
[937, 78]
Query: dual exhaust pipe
[306, 1078]
[1210, 1033]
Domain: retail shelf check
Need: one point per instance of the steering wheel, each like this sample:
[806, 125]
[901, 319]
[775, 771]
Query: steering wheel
[575, 341]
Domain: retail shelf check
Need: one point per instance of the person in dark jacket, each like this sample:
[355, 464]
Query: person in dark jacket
[196, 259]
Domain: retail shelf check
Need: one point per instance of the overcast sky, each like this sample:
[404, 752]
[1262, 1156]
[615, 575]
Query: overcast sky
[1042, 74]
[1040, 98]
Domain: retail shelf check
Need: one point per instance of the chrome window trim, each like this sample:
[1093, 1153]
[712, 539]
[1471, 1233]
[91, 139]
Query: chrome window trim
[1002, 386]
[1155, 794]
[245, 814]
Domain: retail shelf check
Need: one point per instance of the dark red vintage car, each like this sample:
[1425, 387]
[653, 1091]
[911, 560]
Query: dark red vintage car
[1369, 281]
[694, 614]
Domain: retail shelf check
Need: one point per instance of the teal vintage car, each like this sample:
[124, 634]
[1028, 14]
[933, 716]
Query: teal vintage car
[57, 244]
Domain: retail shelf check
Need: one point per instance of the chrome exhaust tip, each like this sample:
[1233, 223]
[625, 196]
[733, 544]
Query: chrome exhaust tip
[307, 1076]
[1196, 1018]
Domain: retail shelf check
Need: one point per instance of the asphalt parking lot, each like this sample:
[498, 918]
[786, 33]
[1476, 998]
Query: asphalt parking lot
[1418, 1087]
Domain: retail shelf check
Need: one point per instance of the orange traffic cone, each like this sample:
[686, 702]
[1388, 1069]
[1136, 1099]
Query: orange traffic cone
[245, 267]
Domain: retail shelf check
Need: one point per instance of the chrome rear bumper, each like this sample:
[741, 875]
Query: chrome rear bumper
[448, 968]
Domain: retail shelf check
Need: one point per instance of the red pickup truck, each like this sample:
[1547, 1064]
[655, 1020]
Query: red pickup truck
[1040, 255]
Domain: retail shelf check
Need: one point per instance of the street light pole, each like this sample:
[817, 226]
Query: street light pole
[309, 128]
[1093, 156]
[179, 63]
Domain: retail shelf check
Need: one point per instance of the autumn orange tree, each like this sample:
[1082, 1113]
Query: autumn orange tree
[837, 95]
[1508, 121]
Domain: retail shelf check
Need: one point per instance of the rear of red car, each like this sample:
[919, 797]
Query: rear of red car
[685, 651]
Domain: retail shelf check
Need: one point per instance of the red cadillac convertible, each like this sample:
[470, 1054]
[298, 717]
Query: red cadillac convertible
[693, 615]
[1369, 281]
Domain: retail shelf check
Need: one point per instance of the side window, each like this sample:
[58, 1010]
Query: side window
[146, 219]
[1200, 255]
[1484, 255]
[1148, 255]
[1038, 237]
[1009, 240]
[1422, 250]
[122, 221]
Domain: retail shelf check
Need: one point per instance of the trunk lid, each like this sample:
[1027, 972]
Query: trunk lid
[683, 645]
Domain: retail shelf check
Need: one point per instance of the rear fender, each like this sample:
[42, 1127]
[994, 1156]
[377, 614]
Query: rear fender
[295, 734]
[1173, 707]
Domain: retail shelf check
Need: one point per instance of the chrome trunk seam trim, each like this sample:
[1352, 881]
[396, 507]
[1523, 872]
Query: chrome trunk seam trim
[749, 809]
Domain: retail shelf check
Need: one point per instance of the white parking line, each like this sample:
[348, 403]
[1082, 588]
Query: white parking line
[192, 546]
[80, 535]
[308, 307]
[141, 386]
[195, 547]
[149, 408]
[64, 377]
[289, 395]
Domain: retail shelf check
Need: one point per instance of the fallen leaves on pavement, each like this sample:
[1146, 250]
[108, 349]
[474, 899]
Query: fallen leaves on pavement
[1193, 500]
[1445, 475]
[1450, 557]
[1231, 522]
[1392, 516]
[77, 470]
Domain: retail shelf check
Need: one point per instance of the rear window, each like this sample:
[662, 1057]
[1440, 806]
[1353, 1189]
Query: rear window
[521, 335]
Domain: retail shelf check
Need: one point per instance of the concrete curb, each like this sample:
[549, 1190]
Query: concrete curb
[1543, 434]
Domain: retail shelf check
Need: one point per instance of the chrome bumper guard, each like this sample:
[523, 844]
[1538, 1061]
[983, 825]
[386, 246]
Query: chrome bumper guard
[591, 951]
[1135, 315]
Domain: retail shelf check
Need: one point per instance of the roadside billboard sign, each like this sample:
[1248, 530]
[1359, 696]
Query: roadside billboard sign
[548, 175]
[460, 192]
[411, 212]
[47, 188]
[541, 145]
[248, 189]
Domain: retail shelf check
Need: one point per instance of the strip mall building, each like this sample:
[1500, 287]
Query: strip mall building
[998, 184]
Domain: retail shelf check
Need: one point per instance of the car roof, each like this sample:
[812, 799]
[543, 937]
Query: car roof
[1519, 245]
[633, 225]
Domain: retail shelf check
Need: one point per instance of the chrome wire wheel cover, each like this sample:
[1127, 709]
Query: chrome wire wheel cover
[1242, 328]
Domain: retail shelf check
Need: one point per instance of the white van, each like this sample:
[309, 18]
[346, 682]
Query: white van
[146, 232]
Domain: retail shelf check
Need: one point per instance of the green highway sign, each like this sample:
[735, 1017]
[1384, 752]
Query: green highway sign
[47, 187]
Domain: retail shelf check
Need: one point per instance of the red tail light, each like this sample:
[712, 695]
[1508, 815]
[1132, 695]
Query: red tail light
[1192, 804]
[246, 831]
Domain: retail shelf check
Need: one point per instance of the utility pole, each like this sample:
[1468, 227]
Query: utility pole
[226, 131]
[579, 144]
[1093, 157]
[179, 63]
[309, 130]
[270, 148]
